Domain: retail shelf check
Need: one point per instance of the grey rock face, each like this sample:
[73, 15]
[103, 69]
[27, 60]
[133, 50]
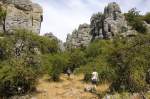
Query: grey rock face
[110, 24]
[114, 21]
[104, 25]
[22, 14]
[21, 4]
[111, 10]
[97, 25]
[79, 38]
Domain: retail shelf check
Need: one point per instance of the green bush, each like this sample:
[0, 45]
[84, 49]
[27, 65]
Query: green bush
[131, 64]
[93, 49]
[44, 44]
[122, 62]
[99, 61]
[76, 59]
[5, 48]
[135, 20]
[58, 63]
[12, 78]
[19, 71]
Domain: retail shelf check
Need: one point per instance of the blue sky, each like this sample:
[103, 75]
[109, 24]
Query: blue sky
[63, 16]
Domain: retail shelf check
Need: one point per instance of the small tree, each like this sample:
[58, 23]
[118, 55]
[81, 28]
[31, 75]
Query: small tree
[58, 64]
[16, 80]
[135, 20]
[77, 58]
[131, 64]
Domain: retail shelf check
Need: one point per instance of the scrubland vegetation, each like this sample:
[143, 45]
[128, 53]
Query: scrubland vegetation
[122, 61]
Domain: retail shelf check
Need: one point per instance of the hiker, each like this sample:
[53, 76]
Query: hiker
[94, 78]
[68, 72]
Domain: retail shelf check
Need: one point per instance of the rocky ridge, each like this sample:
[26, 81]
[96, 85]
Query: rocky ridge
[21, 14]
[102, 26]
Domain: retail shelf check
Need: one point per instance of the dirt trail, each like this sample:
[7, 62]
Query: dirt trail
[66, 89]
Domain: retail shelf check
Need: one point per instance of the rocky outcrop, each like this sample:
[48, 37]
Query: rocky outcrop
[114, 22]
[52, 37]
[79, 38]
[111, 23]
[97, 25]
[104, 25]
[21, 14]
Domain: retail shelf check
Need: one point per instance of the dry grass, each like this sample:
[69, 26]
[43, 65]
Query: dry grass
[72, 88]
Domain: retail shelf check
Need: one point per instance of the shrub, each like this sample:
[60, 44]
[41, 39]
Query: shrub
[76, 59]
[93, 49]
[99, 47]
[5, 48]
[44, 44]
[18, 71]
[13, 78]
[135, 20]
[100, 62]
[131, 64]
[59, 62]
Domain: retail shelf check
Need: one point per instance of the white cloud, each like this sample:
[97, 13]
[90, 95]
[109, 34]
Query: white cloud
[63, 16]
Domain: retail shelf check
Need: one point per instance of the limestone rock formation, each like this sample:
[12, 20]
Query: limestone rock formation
[114, 21]
[20, 4]
[104, 25]
[97, 25]
[111, 23]
[79, 38]
[21, 14]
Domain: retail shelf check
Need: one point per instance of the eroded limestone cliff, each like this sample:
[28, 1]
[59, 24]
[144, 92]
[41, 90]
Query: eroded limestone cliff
[21, 14]
[104, 25]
